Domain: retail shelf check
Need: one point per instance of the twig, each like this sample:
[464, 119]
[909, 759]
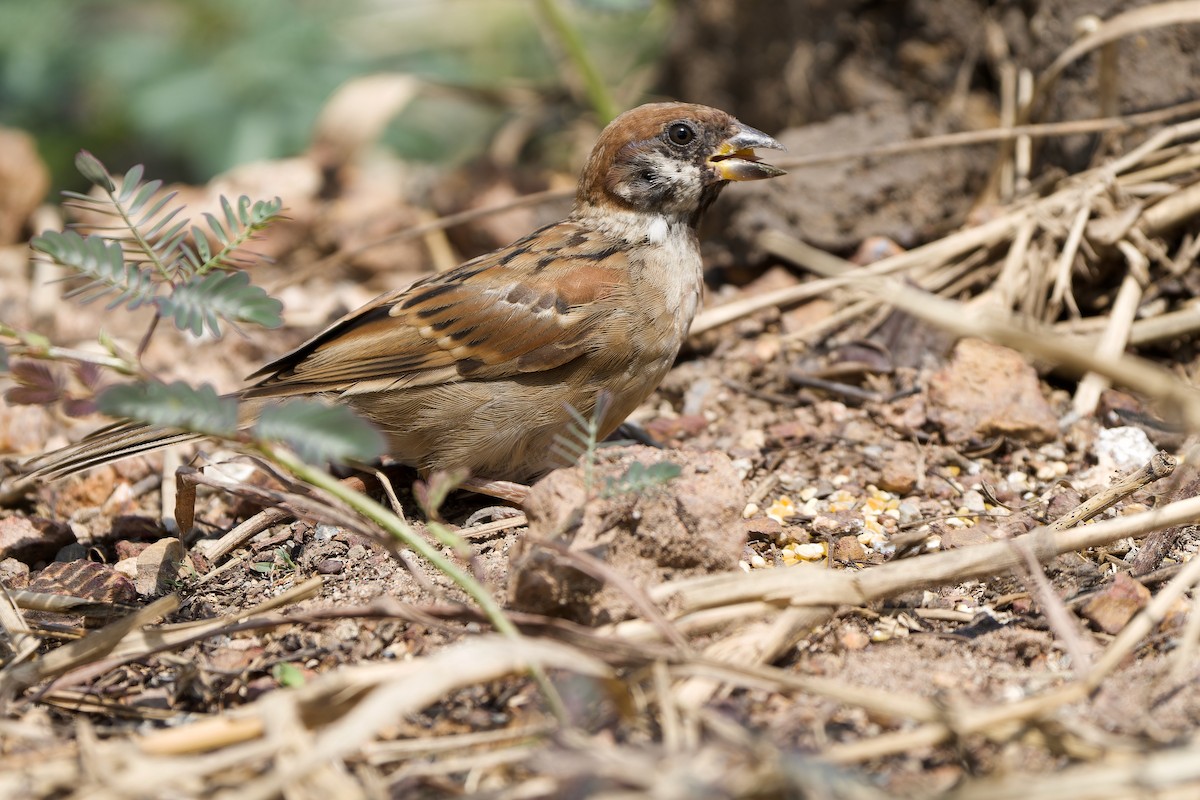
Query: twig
[1116, 335]
[1125, 370]
[395, 527]
[971, 138]
[1064, 625]
[1160, 466]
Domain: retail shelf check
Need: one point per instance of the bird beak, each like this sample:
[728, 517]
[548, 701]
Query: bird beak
[735, 160]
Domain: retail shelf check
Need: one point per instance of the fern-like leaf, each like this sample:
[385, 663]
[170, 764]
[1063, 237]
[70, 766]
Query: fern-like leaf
[239, 226]
[639, 479]
[37, 385]
[103, 262]
[146, 230]
[90, 167]
[173, 405]
[320, 433]
[208, 299]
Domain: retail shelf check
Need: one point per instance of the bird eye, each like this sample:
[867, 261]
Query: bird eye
[680, 133]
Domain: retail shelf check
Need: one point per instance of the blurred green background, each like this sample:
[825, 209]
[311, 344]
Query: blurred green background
[193, 87]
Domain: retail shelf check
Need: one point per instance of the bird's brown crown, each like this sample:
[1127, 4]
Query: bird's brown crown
[664, 158]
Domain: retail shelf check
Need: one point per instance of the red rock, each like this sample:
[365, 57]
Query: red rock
[127, 549]
[87, 579]
[762, 528]
[674, 429]
[899, 473]
[1111, 609]
[848, 548]
[986, 391]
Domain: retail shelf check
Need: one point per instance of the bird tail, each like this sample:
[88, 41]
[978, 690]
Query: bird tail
[106, 445]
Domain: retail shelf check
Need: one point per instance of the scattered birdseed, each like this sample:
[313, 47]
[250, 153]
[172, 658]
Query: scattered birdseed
[813, 551]
[1019, 481]
[782, 510]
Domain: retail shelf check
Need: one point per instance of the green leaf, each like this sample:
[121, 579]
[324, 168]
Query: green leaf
[103, 262]
[208, 299]
[202, 248]
[90, 167]
[3, 358]
[238, 227]
[173, 405]
[131, 182]
[638, 478]
[288, 675]
[318, 432]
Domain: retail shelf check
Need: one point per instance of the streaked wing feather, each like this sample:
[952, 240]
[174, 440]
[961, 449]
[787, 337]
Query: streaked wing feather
[524, 308]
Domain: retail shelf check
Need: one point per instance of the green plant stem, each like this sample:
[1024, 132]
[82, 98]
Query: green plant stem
[143, 244]
[244, 235]
[45, 352]
[597, 90]
[396, 527]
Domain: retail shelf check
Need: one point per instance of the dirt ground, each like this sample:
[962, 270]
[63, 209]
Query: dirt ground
[843, 592]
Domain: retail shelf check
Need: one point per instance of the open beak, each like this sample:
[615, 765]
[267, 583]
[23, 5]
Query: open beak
[735, 160]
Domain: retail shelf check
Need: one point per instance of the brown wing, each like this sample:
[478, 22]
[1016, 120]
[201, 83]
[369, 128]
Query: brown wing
[525, 308]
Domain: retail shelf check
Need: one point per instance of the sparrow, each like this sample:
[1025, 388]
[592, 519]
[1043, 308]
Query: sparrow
[479, 368]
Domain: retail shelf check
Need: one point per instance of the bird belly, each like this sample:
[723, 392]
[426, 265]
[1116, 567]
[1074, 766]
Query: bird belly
[513, 429]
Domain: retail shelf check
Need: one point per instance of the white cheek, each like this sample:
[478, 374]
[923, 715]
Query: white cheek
[656, 233]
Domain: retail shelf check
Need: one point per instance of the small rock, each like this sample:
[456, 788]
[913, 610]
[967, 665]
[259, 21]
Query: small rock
[688, 525]
[331, 566]
[848, 548]
[158, 567]
[762, 528]
[1112, 608]
[23, 429]
[13, 573]
[854, 639]
[1064, 500]
[972, 500]
[127, 549]
[672, 430]
[899, 474]
[33, 539]
[953, 538]
[1122, 450]
[71, 552]
[986, 391]
[87, 579]
[790, 432]
[120, 502]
